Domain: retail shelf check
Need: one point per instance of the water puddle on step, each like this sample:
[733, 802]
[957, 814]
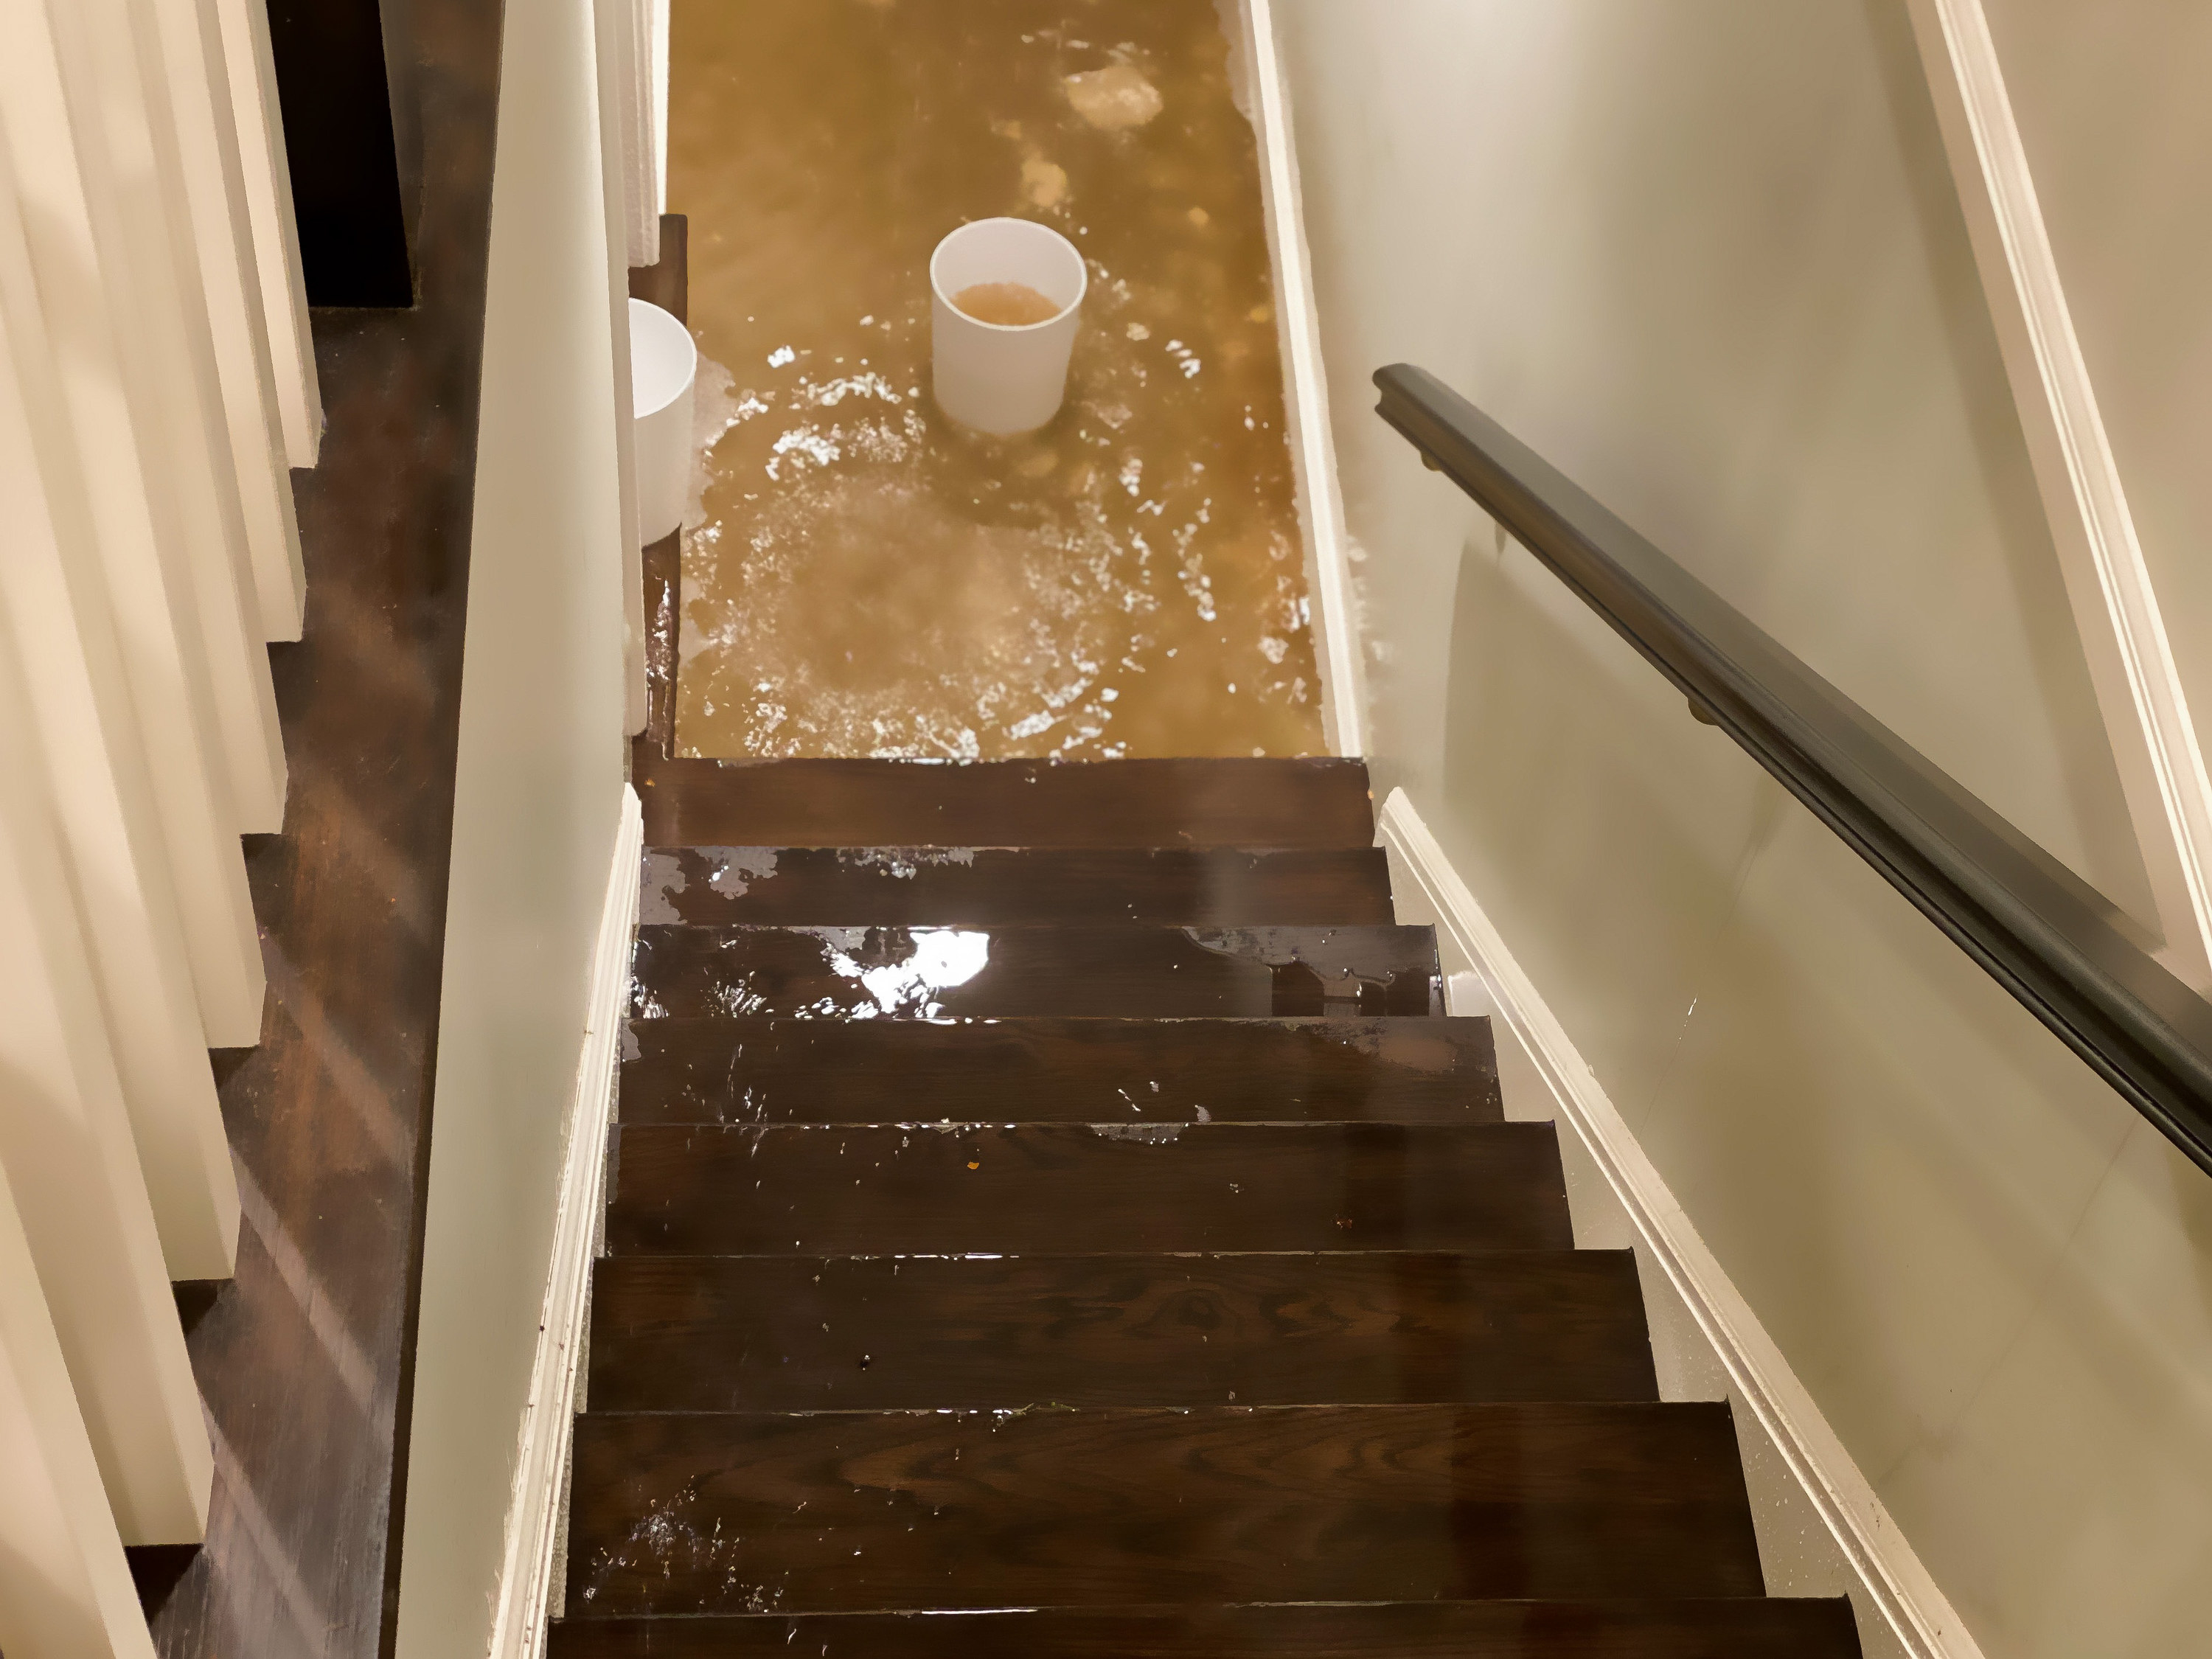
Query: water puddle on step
[863, 577]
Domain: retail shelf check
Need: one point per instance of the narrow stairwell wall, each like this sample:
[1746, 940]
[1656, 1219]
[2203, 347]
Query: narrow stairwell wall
[536, 817]
[1710, 264]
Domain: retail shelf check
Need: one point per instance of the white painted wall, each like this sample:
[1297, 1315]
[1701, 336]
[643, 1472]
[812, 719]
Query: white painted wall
[538, 803]
[68, 1155]
[266, 175]
[2111, 107]
[65, 1588]
[73, 287]
[1822, 1530]
[146, 498]
[1708, 260]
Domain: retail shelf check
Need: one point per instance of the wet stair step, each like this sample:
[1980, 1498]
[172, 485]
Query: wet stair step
[1057, 1187]
[1000, 886]
[1252, 803]
[1060, 1071]
[958, 1190]
[856, 1511]
[1731, 1629]
[1123, 971]
[692, 1334]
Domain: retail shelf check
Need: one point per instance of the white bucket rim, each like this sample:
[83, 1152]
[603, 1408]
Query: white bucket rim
[1082, 266]
[671, 321]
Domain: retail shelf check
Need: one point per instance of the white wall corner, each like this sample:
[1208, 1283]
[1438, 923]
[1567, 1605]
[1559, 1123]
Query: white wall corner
[615, 24]
[2139, 692]
[628, 68]
[657, 44]
[1264, 94]
[267, 178]
[1706, 1339]
[529, 1563]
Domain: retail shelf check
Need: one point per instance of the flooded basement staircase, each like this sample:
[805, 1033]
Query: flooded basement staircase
[1051, 1216]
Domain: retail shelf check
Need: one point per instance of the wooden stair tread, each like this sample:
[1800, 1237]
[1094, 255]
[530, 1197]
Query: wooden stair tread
[1244, 802]
[687, 1190]
[1061, 1071]
[1739, 1628]
[1125, 971]
[1001, 886]
[851, 1511]
[691, 1333]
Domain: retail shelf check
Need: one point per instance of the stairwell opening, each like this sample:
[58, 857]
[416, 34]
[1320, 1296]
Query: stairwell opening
[863, 577]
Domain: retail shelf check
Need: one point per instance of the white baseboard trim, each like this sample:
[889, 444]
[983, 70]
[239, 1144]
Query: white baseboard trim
[1901, 1609]
[1264, 94]
[529, 1565]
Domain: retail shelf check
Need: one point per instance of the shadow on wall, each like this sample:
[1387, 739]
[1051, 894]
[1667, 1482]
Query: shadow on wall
[1963, 1240]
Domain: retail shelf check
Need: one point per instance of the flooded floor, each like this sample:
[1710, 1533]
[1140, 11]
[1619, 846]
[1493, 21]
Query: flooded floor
[864, 577]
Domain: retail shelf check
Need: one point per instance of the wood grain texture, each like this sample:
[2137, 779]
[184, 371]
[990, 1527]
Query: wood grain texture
[1117, 971]
[1060, 1071]
[1255, 804]
[940, 1190]
[1746, 1628]
[997, 886]
[862, 1511]
[795, 1334]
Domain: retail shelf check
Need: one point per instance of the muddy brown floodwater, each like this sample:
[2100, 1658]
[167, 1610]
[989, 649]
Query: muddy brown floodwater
[864, 577]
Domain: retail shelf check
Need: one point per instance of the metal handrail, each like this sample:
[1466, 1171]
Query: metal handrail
[2066, 952]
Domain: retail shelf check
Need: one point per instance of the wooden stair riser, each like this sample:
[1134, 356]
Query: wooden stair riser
[800, 1333]
[1252, 805]
[1060, 1071]
[999, 887]
[1120, 972]
[959, 1190]
[1736, 1629]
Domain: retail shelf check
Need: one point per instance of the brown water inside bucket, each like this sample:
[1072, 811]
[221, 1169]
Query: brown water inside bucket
[1005, 305]
[870, 578]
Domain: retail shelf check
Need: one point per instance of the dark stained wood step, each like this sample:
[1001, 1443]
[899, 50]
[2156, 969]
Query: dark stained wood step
[1000, 886]
[1254, 804]
[708, 1190]
[1060, 1071]
[723, 1334]
[854, 1511]
[1745, 1628]
[1127, 972]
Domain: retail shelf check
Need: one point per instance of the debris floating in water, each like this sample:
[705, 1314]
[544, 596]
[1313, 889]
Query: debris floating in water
[1114, 97]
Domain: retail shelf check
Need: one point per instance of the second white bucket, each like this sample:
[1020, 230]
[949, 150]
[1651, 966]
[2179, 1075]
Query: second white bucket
[999, 379]
[664, 365]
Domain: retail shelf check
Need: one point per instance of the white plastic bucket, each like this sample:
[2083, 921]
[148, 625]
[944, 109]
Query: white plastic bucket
[664, 364]
[998, 378]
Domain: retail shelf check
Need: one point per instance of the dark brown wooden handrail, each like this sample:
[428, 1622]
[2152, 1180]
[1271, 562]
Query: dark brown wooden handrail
[2067, 953]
